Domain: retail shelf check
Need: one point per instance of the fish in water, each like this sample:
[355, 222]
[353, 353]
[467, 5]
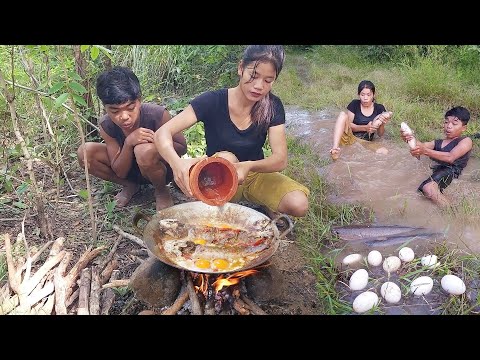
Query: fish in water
[362, 232]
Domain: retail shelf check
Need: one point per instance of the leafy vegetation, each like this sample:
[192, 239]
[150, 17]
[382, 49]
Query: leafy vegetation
[418, 82]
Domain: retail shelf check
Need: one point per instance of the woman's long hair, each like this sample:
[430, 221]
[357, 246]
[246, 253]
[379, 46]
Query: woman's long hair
[263, 110]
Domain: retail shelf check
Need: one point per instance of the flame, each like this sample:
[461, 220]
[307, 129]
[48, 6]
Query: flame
[203, 286]
[232, 279]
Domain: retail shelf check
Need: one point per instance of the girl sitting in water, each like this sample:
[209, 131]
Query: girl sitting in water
[363, 118]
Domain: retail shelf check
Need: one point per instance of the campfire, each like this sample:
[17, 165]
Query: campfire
[221, 294]
[212, 294]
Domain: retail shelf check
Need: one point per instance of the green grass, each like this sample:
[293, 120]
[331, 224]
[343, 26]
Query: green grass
[420, 93]
[313, 234]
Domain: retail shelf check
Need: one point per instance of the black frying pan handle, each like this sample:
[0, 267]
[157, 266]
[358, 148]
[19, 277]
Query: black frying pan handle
[138, 216]
[288, 223]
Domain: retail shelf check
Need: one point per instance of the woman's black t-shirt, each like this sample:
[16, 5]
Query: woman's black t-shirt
[360, 119]
[221, 134]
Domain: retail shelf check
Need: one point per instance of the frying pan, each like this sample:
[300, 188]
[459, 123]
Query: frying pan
[198, 213]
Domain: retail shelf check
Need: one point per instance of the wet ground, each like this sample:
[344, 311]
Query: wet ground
[387, 184]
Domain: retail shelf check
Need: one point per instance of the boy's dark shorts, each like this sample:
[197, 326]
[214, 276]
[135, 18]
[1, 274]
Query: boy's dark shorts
[442, 175]
[134, 175]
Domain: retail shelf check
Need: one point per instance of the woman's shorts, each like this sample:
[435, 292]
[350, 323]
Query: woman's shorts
[267, 189]
[349, 138]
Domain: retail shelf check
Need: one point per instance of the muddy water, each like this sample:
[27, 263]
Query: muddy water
[387, 183]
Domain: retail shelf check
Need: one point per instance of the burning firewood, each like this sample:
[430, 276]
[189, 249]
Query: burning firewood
[196, 309]
[256, 310]
[177, 305]
[241, 307]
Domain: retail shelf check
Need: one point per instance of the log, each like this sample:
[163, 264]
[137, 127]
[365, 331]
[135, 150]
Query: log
[26, 296]
[9, 304]
[177, 305]
[108, 271]
[256, 310]
[4, 292]
[117, 283]
[72, 298]
[139, 252]
[110, 255]
[241, 307]
[95, 292]
[147, 312]
[43, 270]
[74, 272]
[45, 291]
[39, 252]
[128, 236]
[209, 307]
[61, 285]
[108, 295]
[47, 308]
[57, 246]
[84, 293]
[196, 309]
[13, 278]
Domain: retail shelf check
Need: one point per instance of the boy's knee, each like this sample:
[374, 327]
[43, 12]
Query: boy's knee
[80, 154]
[430, 189]
[146, 155]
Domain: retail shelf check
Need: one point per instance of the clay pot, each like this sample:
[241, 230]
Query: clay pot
[214, 181]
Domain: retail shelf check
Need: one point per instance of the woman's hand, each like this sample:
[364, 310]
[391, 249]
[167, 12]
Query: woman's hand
[370, 128]
[406, 137]
[181, 173]
[243, 168]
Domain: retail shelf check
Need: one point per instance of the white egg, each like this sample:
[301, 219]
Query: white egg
[365, 301]
[391, 292]
[374, 258]
[406, 254]
[359, 279]
[352, 259]
[429, 261]
[421, 286]
[453, 284]
[391, 264]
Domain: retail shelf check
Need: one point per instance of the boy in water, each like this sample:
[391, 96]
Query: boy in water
[129, 157]
[450, 153]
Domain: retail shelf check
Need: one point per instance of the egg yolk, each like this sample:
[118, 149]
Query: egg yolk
[202, 264]
[238, 263]
[220, 264]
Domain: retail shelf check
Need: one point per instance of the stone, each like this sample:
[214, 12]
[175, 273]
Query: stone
[266, 285]
[156, 283]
